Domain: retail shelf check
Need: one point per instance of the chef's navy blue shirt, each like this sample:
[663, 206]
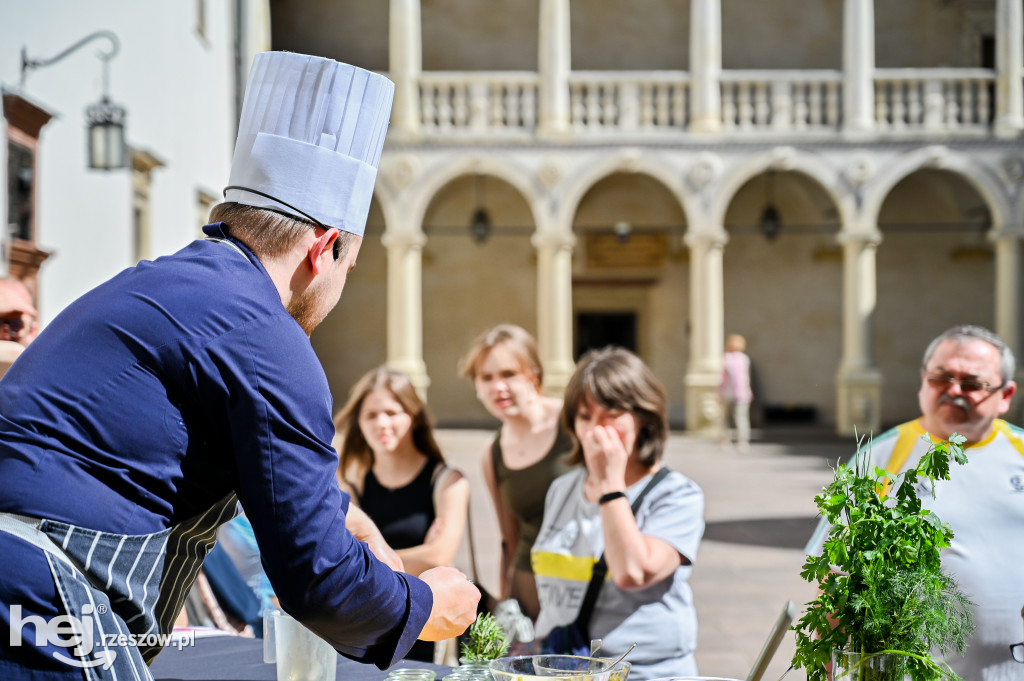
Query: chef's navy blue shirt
[178, 381]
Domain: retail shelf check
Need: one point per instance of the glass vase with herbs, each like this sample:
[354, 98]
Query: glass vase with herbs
[884, 604]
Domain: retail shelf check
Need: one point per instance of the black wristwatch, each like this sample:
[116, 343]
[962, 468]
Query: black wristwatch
[611, 496]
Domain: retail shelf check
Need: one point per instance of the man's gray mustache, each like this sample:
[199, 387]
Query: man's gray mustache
[956, 401]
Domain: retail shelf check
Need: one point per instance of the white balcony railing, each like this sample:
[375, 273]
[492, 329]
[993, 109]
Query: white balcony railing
[479, 102]
[760, 101]
[934, 99]
[502, 104]
[625, 101]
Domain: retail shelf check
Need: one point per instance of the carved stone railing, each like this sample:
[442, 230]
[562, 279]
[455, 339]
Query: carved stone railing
[934, 99]
[504, 104]
[629, 101]
[760, 101]
[487, 103]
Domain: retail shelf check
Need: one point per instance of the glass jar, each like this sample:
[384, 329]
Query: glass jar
[411, 674]
[866, 666]
[469, 672]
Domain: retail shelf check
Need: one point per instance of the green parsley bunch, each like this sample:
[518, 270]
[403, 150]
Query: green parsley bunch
[880, 575]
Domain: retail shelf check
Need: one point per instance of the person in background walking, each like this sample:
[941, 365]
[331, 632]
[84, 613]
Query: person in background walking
[734, 391]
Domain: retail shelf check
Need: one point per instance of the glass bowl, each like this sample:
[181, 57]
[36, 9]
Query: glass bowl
[550, 667]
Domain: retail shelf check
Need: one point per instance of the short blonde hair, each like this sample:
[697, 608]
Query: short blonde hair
[735, 343]
[515, 338]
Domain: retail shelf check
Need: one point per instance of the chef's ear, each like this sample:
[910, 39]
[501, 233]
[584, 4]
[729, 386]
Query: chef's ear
[326, 242]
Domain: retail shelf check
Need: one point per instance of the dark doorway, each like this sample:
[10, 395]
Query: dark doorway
[598, 329]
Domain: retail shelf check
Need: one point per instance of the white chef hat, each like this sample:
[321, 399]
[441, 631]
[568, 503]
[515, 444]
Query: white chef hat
[310, 138]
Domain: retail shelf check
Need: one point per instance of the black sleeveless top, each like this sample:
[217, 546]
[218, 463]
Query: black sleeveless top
[403, 515]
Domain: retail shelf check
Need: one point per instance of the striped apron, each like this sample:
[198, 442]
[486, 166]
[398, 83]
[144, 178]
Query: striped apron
[121, 589]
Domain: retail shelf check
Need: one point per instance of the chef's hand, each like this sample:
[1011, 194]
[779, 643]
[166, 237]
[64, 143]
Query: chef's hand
[363, 529]
[606, 458]
[455, 600]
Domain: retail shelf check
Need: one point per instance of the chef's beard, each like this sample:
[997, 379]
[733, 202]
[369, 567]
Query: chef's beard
[311, 306]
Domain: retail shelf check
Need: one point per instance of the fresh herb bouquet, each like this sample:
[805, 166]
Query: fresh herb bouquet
[486, 641]
[880, 575]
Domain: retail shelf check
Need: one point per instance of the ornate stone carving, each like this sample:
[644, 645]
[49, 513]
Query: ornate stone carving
[1012, 168]
[705, 170]
[936, 156]
[401, 170]
[783, 158]
[860, 170]
[630, 160]
[552, 170]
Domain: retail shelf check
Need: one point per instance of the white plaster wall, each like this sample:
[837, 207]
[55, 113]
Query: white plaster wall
[178, 89]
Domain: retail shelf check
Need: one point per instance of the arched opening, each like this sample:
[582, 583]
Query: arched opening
[782, 272]
[935, 270]
[476, 273]
[631, 276]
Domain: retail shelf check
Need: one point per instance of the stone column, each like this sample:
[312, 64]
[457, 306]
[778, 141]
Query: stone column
[554, 43]
[707, 338]
[1008, 283]
[1009, 68]
[405, 63]
[405, 305]
[705, 66]
[858, 66]
[554, 307]
[858, 381]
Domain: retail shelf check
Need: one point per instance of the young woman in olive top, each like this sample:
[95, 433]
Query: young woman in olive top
[528, 451]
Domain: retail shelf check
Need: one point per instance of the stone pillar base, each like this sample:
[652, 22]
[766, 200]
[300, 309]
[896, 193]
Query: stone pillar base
[858, 401]
[703, 409]
[556, 377]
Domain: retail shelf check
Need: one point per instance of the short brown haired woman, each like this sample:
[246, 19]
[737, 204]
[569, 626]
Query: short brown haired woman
[527, 453]
[616, 411]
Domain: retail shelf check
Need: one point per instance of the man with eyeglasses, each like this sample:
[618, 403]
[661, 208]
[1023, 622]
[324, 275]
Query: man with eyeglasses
[966, 385]
[1017, 649]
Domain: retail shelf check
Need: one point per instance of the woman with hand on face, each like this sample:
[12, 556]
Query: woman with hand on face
[616, 411]
[395, 471]
[527, 453]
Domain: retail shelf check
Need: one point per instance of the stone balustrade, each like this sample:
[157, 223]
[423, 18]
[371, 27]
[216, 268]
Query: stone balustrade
[945, 100]
[627, 101]
[491, 103]
[503, 104]
[761, 100]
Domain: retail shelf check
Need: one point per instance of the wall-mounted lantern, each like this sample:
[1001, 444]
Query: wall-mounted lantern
[106, 120]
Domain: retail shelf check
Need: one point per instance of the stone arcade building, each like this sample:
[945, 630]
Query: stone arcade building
[837, 181]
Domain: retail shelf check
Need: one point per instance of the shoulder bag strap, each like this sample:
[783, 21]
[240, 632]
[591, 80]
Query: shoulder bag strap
[601, 567]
